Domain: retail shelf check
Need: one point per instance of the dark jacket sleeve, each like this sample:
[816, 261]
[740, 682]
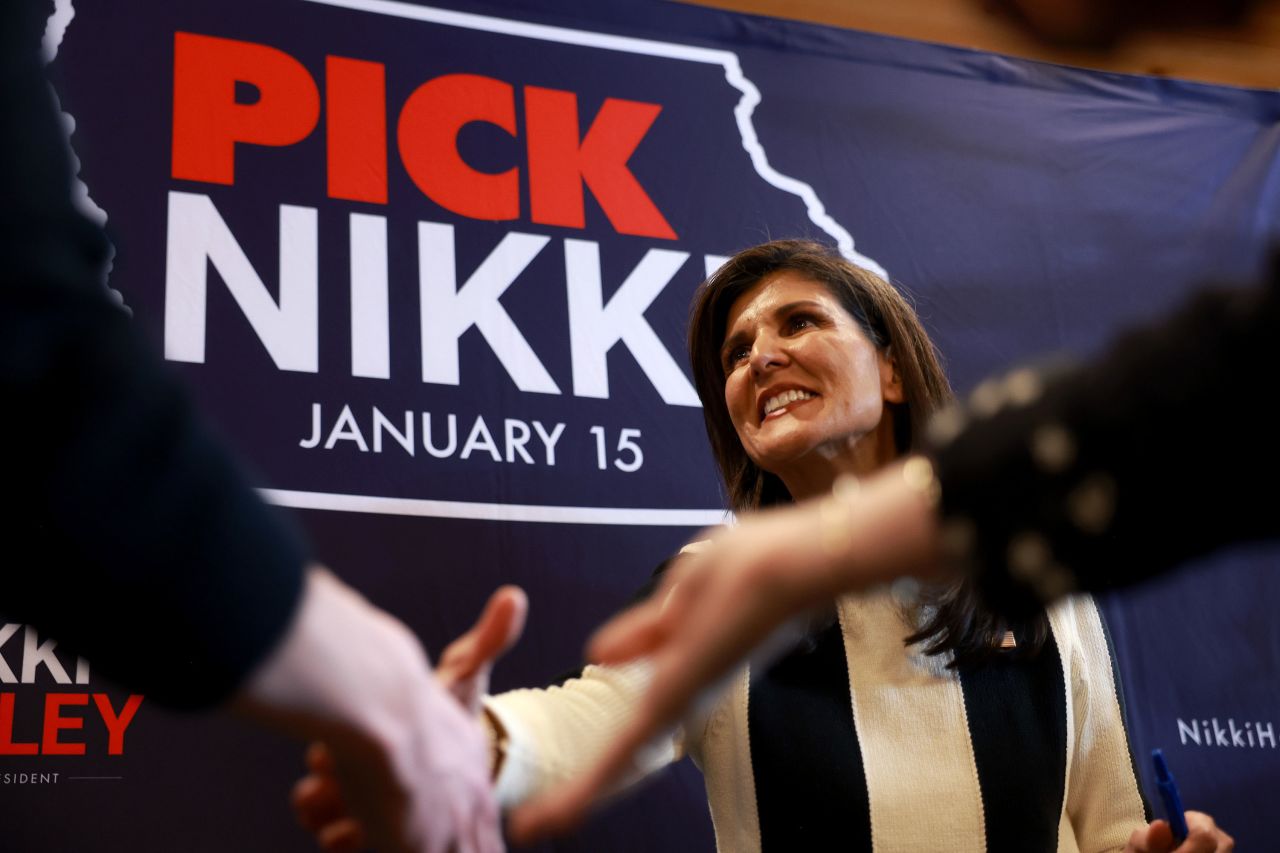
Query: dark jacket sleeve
[129, 535]
[1106, 474]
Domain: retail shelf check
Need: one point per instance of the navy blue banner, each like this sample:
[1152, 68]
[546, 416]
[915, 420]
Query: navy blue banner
[428, 269]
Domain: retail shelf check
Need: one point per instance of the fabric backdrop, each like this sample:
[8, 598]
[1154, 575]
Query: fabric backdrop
[428, 268]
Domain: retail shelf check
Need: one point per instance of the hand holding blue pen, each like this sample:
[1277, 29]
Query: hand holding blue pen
[1170, 797]
[1182, 831]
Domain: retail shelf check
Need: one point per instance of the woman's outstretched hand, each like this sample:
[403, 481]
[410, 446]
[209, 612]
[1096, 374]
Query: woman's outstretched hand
[729, 595]
[465, 665]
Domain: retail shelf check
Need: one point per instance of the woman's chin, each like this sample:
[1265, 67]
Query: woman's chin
[784, 451]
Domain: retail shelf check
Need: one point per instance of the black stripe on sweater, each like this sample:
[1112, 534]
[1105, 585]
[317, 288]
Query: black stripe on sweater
[811, 790]
[1017, 712]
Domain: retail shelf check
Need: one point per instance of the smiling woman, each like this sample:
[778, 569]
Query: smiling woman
[922, 722]
[793, 308]
[796, 316]
[801, 376]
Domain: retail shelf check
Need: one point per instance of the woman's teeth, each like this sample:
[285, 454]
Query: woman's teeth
[779, 400]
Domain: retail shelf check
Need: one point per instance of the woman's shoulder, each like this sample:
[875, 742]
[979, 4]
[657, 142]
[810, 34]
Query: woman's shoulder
[1074, 613]
[1080, 631]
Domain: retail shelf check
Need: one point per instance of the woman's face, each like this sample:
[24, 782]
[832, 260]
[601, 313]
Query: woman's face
[801, 375]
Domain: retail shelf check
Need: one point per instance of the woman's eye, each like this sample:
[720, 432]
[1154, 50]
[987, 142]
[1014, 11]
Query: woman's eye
[796, 322]
[736, 355]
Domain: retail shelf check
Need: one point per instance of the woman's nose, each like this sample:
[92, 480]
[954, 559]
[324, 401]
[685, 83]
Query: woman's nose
[768, 352]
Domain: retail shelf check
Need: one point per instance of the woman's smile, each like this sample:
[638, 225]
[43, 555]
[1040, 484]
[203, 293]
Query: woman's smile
[779, 402]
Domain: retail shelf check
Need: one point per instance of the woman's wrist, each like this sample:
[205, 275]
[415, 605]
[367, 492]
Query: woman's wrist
[496, 734]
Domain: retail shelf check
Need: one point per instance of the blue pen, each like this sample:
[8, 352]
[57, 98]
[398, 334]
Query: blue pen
[1169, 794]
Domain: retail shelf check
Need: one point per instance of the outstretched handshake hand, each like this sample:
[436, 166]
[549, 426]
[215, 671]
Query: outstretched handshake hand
[430, 791]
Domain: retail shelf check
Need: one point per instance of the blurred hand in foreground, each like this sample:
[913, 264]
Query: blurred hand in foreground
[728, 596]
[320, 798]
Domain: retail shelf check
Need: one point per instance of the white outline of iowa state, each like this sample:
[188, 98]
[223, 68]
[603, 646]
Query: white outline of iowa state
[759, 160]
[726, 59]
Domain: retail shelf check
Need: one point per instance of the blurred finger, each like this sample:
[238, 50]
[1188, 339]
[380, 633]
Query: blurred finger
[317, 802]
[344, 836]
[502, 622]
[497, 629]
[319, 759]
[1155, 838]
[1203, 835]
[1200, 841]
[636, 632]
[644, 628]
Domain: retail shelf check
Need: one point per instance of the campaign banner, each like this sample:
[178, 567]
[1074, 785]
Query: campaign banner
[427, 268]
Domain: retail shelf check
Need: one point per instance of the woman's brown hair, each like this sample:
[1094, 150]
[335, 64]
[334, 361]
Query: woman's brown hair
[956, 621]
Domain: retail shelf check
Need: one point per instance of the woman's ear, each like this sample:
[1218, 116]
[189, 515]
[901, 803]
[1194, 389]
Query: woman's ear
[890, 380]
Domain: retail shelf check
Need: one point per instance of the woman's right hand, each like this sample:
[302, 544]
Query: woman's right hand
[463, 669]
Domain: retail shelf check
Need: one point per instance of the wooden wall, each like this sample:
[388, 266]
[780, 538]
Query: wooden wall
[1248, 56]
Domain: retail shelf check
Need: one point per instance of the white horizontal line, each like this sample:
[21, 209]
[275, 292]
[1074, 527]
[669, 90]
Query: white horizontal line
[541, 32]
[497, 512]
